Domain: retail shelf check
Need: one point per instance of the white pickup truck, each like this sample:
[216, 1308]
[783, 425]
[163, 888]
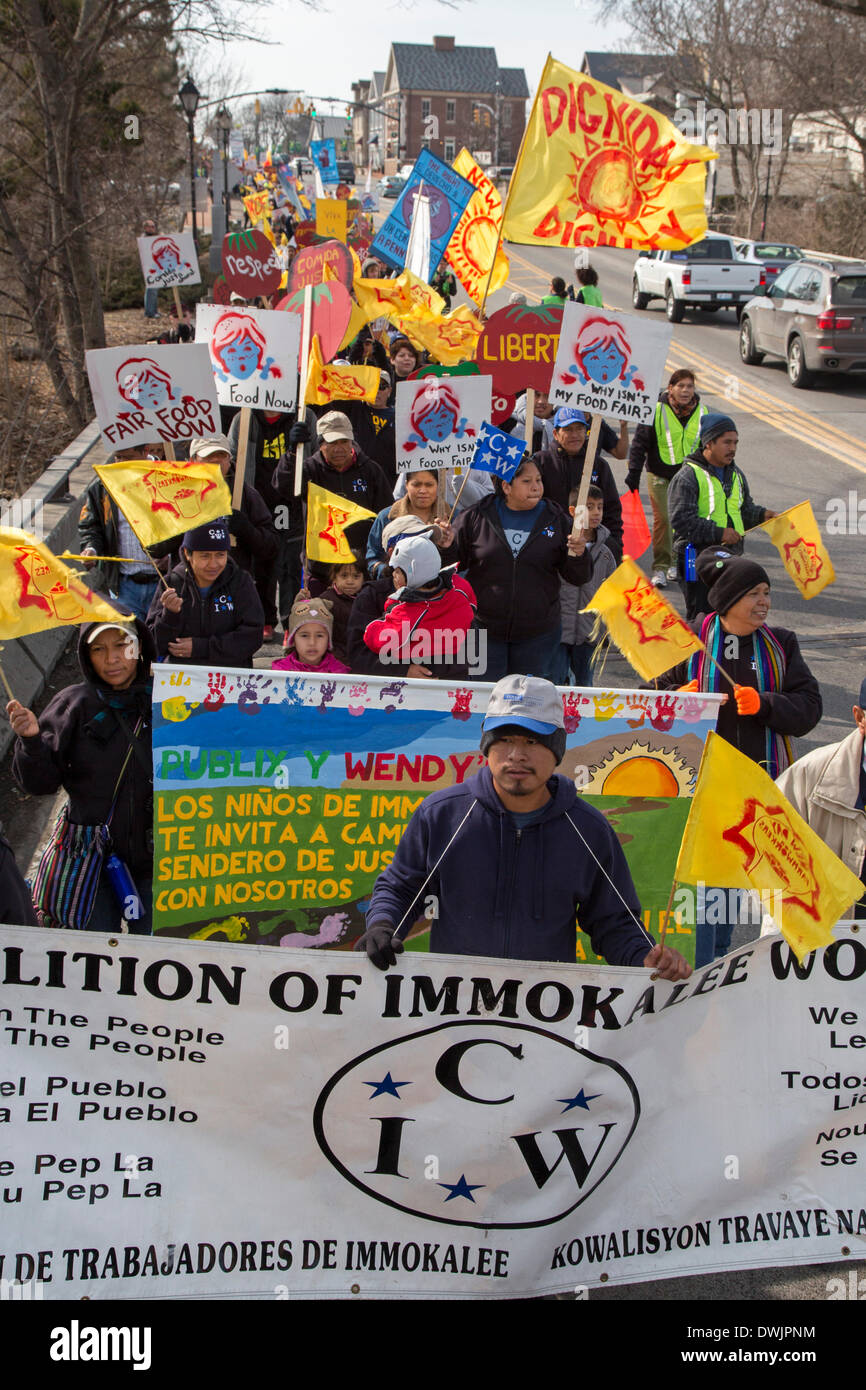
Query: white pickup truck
[707, 275]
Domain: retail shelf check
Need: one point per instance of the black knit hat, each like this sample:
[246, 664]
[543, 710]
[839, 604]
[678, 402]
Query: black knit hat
[555, 741]
[728, 577]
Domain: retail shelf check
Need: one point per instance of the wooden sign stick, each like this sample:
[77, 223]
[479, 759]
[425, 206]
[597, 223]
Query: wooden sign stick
[529, 423]
[586, 477]
[241, 460]
[177, 304]
[168, 450]
[306, 326]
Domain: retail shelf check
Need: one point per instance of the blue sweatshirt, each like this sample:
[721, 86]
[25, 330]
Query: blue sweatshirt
[509, 893]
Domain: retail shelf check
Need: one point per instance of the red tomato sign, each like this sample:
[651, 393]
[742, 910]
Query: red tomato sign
[250, 264]
[308, 267]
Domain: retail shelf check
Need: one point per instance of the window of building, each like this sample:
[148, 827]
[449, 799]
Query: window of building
[506, 113]
[425, 108]
[449, 151]
[504, 151]
[451, 112]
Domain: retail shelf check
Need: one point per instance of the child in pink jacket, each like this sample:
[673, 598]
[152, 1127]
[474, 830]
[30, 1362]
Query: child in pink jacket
[311, 634]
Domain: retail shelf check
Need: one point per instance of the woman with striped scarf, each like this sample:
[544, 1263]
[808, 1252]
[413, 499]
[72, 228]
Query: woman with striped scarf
[776, 697]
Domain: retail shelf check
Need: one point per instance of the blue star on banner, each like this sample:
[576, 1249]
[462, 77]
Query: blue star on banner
[461, 1188]
[581, 1099]
[387, 1087]
[497, 452]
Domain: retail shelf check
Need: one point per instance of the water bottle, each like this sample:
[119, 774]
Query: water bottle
[124, 887]
[689, 569]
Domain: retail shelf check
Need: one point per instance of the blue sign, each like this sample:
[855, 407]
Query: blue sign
[448, 192]
[324, 155]
[498, 452]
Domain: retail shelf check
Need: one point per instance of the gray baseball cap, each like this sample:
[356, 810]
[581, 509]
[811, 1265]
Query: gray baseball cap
[527, 701]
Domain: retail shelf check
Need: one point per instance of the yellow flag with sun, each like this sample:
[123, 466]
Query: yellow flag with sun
[599, 169]
[474, 246]
[795, 535]
[326, 383]
[742, 833]
[327, 517]
[648, 632]
[38, 592]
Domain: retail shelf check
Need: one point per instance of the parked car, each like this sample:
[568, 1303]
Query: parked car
[706, 275]
[391, 186]
[814, 316]
[774, 256]
[346, 171]
[500, 173]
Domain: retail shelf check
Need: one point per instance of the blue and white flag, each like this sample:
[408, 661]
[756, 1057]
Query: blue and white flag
[498, 452]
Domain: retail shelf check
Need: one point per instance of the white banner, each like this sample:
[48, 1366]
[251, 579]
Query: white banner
[609, 362]
[190, 1120]
[146, 393]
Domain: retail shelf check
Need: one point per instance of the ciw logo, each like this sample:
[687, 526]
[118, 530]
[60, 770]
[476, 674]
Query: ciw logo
[77, 1343]
[524, 1124]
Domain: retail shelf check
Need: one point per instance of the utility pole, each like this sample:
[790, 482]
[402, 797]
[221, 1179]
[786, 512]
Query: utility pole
[496, 102]
[766, 197]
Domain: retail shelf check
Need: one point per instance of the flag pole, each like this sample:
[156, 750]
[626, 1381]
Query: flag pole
[6, 684]
[459, 494]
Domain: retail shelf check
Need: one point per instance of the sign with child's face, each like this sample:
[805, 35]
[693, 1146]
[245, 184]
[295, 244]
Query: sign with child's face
[438, 420]
[253, 353]
[146, 393]
[609, 363]
[169, 260]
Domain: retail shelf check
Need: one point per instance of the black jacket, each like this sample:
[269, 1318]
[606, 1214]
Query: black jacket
[644, 449]
[561, 472]
[266, 444]
[363, 482]
[16, 904]
[226, 625]
[84, 735]
[369, 605]
[518, 598]
[99, 528]
[375, 434]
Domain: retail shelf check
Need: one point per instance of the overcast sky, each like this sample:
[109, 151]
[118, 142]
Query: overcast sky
[324, 51]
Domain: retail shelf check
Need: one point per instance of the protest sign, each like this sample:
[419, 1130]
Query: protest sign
[169, 260]
[609, 363]
[331, 218]
[448, 193]
[437, 421]
[308, 267]
[306, 234]
[324, 155]
[597, 168]
[254, 355]
[233, 1122]
[518, 347]
[146, 393]
[277, 800]
[250, 264]
[474, 247]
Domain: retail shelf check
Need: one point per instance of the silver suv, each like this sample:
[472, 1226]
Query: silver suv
[814, 316]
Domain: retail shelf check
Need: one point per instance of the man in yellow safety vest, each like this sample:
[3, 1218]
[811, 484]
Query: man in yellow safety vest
[710, 504]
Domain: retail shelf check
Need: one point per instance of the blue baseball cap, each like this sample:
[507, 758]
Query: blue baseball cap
[568, 415]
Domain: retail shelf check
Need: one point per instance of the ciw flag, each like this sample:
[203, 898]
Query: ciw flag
[497, 452]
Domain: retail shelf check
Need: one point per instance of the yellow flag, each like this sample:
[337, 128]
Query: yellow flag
[475, 240]
[449, 338]
[38, 592]
[326, 383]
[742, 833]
[258, 206]
[327, 516]
[159, 501]
[598, 169]
[795, 535]
[392, 299]
[650, 635]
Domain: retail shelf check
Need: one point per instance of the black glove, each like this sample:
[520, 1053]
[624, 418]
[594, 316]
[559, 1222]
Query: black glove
[632, 481]
[381, 945]
[299, 434]
[241, 526]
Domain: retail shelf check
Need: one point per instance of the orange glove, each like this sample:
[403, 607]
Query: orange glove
[688, 689]
[748, 699]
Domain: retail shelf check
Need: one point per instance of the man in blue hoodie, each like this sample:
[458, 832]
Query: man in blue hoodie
[514, 857]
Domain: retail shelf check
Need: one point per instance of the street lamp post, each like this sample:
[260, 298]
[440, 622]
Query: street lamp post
[224, 122]
[189, 97]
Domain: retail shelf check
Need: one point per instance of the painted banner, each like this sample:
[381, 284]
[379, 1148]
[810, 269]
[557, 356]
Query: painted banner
[331, 218]
[597, 168]
[610, 363]
[169, 260]
[278, 798]
[448, 192]
[324, 155]
[475, 241]
[225, 1123]
[438, 420]
[254, 355]
[146, 393]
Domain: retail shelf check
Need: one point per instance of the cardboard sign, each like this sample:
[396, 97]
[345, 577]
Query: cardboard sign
[610, 363]
[169, 260]
[250, 264]
[306, 234]
[518, 347]
[331, 218]
[146, 393]
[308, 267]
[332, 310]
[438, 420]
[254, 355]
[475, 247]
[448, 193]
[324, 155]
